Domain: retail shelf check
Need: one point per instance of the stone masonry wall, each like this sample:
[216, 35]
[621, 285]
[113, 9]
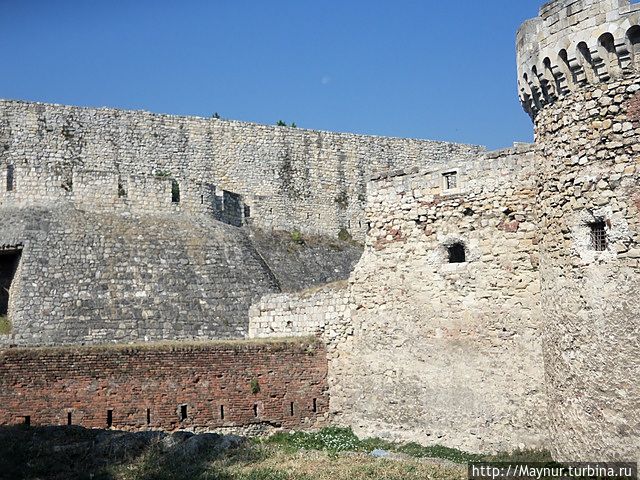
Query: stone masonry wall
[430, 351]
[589, 155]
[117, 277]
[148, 387]
[290, 178]
[317, 311]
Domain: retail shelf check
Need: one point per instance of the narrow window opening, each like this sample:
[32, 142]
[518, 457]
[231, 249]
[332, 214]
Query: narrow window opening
[109, 418]
[183, 412]
[255, 409]
[10, 177]
[9, 261]
[450, 180]
[69, 418]
[247, 211]
[314, 405]
[148, 416]
[598, 236]
[27, 420]
[457, 253]
[221, 412]
[201, 199]
[121, 190]
[291, 408]
[175, 191]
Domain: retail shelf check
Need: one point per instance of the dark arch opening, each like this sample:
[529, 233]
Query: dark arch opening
[587, 61]
[633, 37]
[457, 253]
[608, 43]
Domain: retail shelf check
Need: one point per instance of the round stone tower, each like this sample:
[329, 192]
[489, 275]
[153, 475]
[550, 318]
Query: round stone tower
[579, 80]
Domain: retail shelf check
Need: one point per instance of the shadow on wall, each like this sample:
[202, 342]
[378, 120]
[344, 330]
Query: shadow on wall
[77, 453]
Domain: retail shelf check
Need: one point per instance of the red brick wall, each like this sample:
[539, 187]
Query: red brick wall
[46, 384]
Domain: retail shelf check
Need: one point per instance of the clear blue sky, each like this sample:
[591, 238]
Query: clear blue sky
[435, 69]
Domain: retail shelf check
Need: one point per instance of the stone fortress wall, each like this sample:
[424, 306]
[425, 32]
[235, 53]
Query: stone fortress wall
[495, 305]
[585, 110]
[291, 179]
[422, 349]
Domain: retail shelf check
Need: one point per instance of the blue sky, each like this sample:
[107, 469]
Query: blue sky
[434, 69]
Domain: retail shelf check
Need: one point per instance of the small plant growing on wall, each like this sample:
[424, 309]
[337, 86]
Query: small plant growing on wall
[296, 236]
[344, 235]
[162, 173]
[5, 325]
[281, 123]
[255, 386]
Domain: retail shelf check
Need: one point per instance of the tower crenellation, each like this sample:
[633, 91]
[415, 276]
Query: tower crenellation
[574, 43]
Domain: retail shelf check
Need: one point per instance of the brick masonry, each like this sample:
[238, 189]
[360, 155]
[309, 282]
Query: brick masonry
[48, 384]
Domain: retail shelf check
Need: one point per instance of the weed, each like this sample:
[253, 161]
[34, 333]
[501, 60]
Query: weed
[255, 386]
[162, 173]
[5, 325]
[344, 235]
[296, 236]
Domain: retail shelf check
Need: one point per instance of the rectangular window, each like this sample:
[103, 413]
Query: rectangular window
[10, 177]
[9, 260]
[183, 412]
[598, 236]
[109, 418]
[450, 180]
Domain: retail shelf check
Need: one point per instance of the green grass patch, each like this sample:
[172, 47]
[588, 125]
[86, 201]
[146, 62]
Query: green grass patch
[5, 325]
[336, 439]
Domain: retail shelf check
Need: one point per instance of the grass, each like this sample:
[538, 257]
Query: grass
[5, 325]
[335, 439]
[175, 345]
[72, 453]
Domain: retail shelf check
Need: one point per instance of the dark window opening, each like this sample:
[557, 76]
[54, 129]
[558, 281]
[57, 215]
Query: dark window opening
[291, 409]
[9, 260]
[598, 236]
[10, 177]
[255, 409]
[314, 406]
[69, 418]
[148, 416]
[450, 180]
[457, 253]
[175, 192]
[183, 412]
[27, 420]
[109, 418]
[247, 211]
[121, 190]
[201, 199]
[221, 412]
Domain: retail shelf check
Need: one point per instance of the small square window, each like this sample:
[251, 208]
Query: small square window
[450, 180]
[598, 236]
